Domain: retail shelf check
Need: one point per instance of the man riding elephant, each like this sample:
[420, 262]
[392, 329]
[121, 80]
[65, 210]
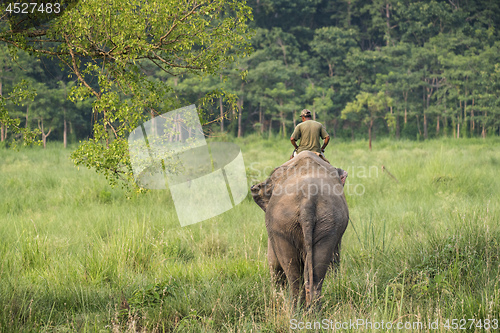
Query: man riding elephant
[309, 132]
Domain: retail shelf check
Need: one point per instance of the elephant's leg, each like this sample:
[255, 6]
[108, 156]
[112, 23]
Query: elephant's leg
[322, 259]
[289, 259]
[277, 273]
[294, 277]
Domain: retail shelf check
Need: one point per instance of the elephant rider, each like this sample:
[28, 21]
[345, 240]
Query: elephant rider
[309, 132]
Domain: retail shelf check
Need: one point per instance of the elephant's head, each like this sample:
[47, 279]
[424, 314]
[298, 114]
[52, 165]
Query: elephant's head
[261, 193]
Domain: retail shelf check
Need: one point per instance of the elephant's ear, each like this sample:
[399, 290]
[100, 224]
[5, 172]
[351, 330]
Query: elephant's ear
[342, 175]
[261, 194]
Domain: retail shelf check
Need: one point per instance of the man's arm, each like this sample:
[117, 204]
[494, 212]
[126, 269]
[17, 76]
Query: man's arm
[325, 143]
[295, 136]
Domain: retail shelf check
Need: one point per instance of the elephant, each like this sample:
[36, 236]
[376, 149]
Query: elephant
[306, 215]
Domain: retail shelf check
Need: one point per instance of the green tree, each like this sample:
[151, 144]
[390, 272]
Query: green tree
[369, 107]
[43, 112]
[273, 83]
[15, 90]
[400, 81]
[332, 45]
[120, 38]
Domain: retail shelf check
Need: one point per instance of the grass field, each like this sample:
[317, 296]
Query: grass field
[422, 246]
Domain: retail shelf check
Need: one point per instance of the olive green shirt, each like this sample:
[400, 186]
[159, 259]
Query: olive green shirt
[309, 132]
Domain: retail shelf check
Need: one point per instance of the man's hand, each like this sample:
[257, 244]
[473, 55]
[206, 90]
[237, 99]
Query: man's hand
[294, 143]
[327, 139]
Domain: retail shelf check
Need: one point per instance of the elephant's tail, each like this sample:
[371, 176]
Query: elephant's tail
[307, 218]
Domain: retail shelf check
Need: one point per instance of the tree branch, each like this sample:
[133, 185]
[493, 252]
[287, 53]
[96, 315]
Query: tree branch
[172, 28]
[77, 72]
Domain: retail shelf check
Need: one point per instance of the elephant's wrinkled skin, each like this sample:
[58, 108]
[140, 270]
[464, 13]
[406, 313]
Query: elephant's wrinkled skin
[306, 216]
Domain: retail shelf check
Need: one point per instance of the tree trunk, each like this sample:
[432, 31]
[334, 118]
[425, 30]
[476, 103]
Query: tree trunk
[445, 122]
[390, 109]
[27, 113]
[44, 135]
[270, 126]
[425, 126]
[426, 107]
[261, 120]
[483, 132]
[282, 117]
[284, 127]
[388, 23]
[406, 100]
[349, 13]
[458, 130]
[240, 114]
[472, 123]
[464, 119]
[221, 109]
[423, 107]
[65, 134]
[370, 134]
[437, 126]
[398, 126]
[282, 130]
[459, 117]
[153, 123]
[283, 49]
[454, 128]
[294, 120]
[221, 115]
[418, 125]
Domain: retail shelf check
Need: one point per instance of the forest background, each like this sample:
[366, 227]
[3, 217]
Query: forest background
[397, 68]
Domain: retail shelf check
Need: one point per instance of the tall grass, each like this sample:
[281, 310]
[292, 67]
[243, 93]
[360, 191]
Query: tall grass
[77, 255]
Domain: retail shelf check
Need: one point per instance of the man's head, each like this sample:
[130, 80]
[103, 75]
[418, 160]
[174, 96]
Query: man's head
[305, 114]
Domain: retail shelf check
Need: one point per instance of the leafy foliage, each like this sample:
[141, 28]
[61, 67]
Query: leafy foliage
[435, 59]
[106, 46]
